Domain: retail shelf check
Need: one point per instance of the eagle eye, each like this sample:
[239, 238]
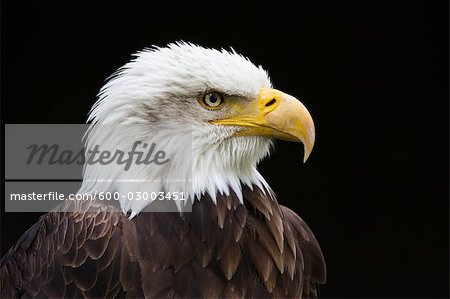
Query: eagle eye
[212, 100]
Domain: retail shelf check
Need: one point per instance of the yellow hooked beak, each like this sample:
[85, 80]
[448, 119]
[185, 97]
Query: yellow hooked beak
[273, 114]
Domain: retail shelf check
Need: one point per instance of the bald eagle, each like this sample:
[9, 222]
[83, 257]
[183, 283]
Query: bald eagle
[237, 242]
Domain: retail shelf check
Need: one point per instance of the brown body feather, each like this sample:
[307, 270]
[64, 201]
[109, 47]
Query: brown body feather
[229, 250]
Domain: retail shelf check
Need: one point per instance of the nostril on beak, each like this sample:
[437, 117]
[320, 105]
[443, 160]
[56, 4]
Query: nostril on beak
[271, 102]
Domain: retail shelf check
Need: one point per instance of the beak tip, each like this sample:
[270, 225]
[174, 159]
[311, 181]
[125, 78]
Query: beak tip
[306, 156]
[307, 150]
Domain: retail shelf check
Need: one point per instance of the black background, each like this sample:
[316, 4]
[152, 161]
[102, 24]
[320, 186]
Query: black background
[374, 75]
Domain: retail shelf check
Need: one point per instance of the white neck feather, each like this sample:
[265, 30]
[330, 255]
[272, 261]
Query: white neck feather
[198, 164]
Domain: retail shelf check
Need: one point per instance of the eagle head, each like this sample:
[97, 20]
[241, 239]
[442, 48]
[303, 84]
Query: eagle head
[212, 111]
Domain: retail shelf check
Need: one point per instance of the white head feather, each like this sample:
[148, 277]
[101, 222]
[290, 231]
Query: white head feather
[154, 99]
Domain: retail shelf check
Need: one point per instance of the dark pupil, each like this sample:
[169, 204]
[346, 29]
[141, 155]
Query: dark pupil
[213, 98]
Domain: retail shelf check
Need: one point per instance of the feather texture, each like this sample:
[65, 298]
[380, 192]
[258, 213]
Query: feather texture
[99, 253]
